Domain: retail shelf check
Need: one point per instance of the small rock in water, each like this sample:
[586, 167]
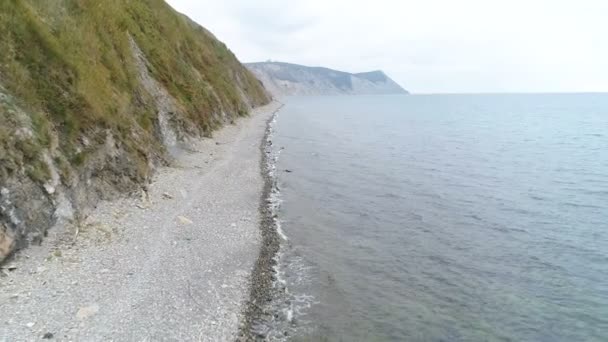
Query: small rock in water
[48, 336]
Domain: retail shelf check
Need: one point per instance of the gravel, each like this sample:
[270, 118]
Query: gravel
[173, 265]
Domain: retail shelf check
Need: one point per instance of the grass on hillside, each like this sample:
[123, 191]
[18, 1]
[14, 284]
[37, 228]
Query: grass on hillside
[69, 65]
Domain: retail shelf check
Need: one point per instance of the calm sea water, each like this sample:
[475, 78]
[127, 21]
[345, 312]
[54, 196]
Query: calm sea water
[445, 217]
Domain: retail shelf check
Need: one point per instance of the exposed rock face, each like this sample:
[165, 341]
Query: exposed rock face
[7, 240]
[93, 96]
[284, 79]
[164, 102]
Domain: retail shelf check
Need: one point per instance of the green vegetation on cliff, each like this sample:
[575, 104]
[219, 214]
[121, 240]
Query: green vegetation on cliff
[70, 78]
[69, 63]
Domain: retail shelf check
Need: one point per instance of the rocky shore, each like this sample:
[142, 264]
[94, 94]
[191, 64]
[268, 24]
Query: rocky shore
[174, 264]
[258, 311]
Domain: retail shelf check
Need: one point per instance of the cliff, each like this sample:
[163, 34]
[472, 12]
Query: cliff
[94, 95]
[283, 79]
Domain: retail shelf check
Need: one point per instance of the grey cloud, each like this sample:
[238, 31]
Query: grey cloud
[272, 19]
[428, 46]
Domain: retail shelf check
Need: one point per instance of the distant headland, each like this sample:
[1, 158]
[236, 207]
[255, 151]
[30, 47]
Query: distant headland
[283, 79]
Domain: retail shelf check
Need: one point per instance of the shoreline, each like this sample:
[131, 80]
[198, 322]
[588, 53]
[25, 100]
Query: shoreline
[262, 277]
[178, 264]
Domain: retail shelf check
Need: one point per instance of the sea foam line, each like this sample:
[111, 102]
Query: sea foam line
[287, 306]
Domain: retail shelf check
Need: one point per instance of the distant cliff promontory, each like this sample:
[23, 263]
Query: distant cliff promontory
[283, 79]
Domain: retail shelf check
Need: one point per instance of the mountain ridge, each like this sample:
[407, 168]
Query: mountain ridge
[286, 79]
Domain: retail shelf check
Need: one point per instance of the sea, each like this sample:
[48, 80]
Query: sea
[479, 217]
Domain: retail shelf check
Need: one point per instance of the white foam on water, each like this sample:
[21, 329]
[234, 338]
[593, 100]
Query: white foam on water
[280, 230]
[289, 270]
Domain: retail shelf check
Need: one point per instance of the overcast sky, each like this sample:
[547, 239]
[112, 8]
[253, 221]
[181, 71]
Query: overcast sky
[427, 46]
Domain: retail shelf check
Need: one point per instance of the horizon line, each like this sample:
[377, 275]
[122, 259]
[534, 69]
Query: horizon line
[510, 92]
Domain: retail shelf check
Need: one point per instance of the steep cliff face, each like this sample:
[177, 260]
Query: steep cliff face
[94, 95]
[283, 79]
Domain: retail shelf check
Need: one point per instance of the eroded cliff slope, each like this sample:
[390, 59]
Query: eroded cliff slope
[94, 95]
